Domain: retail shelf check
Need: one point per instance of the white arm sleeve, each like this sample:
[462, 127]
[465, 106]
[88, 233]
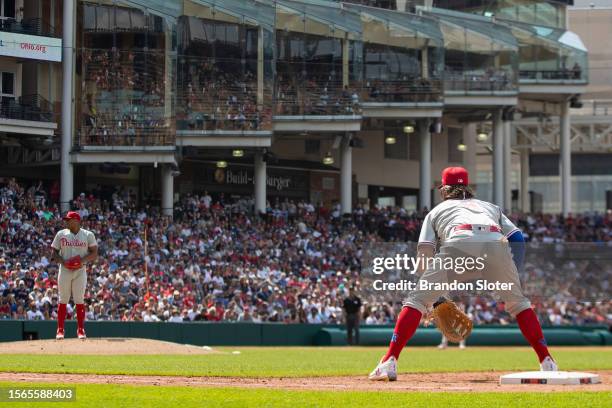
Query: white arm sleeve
[91, 240]
[428, 234]
[508, 227]
[56, 242]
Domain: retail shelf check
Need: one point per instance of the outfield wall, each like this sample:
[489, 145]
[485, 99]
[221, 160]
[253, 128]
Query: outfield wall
[271, 334]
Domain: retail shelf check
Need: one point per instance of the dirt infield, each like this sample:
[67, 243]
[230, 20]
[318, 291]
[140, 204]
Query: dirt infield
[431, 382]
[106, 346]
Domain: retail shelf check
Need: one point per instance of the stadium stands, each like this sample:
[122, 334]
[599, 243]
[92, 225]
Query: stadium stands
[216, 261]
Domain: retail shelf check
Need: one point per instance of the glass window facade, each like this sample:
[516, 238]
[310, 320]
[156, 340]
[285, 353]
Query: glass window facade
[549, 55]
[126, 66]
[317, 58]
[538, 12]
[222, 83]
[402, 57]
[588, 193]
[481, 57]
[149, 68]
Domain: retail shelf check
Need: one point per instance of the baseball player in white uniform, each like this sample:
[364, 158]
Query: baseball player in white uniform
[462, 226]
[73, 247]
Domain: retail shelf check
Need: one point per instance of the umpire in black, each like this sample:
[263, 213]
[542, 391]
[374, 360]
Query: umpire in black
[352, 313]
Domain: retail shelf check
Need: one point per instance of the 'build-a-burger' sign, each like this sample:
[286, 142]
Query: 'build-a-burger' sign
[30, 46]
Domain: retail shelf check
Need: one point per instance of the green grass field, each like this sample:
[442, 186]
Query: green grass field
[307, 361]
[96, 395]
[303, 362]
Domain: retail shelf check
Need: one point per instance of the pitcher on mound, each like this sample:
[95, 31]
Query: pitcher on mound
[73, 247]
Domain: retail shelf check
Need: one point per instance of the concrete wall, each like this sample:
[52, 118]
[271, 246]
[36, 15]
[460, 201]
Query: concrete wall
[271, 334]
[594, 26]
[370, 167]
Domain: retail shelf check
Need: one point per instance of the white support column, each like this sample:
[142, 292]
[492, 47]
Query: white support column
[345, 62]
[260, 68]
[425, 61]
[507, 166]
[565, 160]
[498, 158]
[167, 187]
[66, 167]
[346, 175]
[424, 165]
[260, 183]
[169, 72]
[524, 192]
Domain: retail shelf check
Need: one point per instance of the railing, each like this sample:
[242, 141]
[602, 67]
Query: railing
[408, 91]
[26, 107]
[31, 26]
[595, 108]
[553, 75]
[478, 82]
[125, 136]
[125, 121]
[223, 107]
[315, 98]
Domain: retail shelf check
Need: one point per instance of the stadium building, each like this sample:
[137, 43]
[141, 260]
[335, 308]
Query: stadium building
[356, 103]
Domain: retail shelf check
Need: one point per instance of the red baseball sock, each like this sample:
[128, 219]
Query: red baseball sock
[80, 312]
[61, 316]
[407, 323]
[531, 329]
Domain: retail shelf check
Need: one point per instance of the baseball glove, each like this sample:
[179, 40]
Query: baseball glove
[451, 321]
[74, 263]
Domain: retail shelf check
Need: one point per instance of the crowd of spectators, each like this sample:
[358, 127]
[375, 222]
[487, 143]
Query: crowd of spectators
[215, 261]
[299, 94]
[407, 89]
[216, 94]
[456, 78]
[124, 97]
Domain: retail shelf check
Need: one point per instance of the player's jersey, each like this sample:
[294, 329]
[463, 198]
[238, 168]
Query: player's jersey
[70, 245]
[439, 222]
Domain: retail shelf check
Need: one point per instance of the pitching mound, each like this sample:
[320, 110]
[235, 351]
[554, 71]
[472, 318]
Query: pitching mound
[429, 382]
[108, 346]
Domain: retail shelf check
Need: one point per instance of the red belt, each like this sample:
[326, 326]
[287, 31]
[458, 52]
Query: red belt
[470, 227]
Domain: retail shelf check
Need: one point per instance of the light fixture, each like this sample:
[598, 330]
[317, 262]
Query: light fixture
[461, 146]
[408, 129]
[436, 127]
[482, 136]
[390, 140]
[221, 164]
[328, 159]
[48, 141]
[237, 153]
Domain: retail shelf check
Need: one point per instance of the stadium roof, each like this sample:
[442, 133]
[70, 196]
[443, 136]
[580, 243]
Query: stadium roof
[418, 26]
[477, 26]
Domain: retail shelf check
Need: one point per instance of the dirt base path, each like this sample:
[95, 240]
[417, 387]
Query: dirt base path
[107, 346]
[431, 382]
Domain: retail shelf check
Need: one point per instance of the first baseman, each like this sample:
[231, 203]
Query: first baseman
[73, 247]
[462, 225]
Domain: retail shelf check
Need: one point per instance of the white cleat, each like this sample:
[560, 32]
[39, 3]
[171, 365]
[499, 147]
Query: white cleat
[386, 371]
[462, 345]
[81, 334]
[548, 364]
[442, 346]
[59, 335]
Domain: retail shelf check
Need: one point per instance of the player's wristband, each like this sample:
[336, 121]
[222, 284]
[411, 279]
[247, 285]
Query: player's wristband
[517, 244]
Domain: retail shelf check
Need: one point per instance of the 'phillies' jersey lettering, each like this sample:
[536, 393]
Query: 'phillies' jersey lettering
[74, 243]
[70, 245]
